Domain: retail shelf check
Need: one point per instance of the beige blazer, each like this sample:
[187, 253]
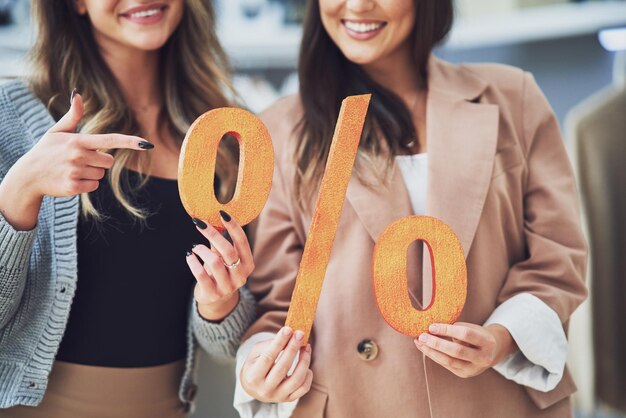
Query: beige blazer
[500, 177]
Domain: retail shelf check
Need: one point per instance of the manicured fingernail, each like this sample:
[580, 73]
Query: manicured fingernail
[299, 335]
[225, 216]
[145, 145]
[72, 96]
[433, 328]
[194, 245]
[308, 348]
[286, 331]
[200, 224]
[189, 253]
[423, 338]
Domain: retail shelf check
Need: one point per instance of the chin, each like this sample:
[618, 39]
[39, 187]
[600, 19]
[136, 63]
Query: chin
[360, 58]
[149, 47]
[360, 54]
[149, 43]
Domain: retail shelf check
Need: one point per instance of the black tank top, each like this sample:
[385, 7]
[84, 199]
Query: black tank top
[134, 286]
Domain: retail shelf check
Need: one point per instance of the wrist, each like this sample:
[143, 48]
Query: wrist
[21, 200]
[217, 311]
[505, 344]
[22, 182]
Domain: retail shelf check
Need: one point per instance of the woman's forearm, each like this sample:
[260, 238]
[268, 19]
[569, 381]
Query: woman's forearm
[19, 204]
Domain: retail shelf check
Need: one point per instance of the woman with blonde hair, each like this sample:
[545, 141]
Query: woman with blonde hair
[474, 145]
[97, 309]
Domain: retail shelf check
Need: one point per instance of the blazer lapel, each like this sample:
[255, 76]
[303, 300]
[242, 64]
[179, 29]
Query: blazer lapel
[462, 134]
[462, 139]
[378, 205]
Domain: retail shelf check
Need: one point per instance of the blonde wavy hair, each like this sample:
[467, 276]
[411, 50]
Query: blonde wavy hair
[195, 78]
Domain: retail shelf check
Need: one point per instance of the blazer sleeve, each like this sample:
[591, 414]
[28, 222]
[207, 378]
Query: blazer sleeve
[278, 243]
[555, 265]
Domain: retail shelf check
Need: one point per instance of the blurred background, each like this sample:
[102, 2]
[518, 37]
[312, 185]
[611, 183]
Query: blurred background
[575, 49]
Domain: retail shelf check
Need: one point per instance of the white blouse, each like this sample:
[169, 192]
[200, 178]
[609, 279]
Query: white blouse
[414, 169]
[535, 327]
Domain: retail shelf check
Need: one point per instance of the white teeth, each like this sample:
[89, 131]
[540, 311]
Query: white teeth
[362, 27]
[145, 13]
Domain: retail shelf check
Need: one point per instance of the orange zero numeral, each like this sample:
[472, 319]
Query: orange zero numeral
[390, 281]
[196, 168]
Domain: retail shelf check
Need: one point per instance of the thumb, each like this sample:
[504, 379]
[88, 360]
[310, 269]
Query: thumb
[69, 122]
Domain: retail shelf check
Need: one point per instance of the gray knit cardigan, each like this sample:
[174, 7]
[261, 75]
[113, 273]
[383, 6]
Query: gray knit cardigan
[38, 275]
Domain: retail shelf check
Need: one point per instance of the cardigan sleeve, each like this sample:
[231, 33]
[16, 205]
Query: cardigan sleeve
[15, 250]
[221, 339]
[15, 246]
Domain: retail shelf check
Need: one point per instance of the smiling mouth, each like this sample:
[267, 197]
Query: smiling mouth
[144, 12]
[147, 13]
[363, 27]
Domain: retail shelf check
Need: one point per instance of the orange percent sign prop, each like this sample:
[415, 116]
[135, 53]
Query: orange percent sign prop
[196, 167]
[389, 274]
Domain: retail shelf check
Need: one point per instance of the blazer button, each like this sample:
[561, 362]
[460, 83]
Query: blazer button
[367, 350]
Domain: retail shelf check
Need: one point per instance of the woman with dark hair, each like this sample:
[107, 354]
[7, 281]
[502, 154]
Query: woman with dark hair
[476, 146]
[97, 309]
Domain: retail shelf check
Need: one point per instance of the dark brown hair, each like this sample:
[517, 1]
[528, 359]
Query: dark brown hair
[327, 77]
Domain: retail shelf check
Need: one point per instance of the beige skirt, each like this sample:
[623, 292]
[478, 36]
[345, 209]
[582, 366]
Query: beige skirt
[77, 391]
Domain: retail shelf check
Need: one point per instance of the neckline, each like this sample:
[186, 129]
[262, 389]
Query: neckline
[151, 177]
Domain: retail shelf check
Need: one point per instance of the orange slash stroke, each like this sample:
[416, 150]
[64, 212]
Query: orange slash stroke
[328, 209]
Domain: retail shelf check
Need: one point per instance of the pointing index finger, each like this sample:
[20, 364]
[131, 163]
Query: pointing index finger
[113, 141]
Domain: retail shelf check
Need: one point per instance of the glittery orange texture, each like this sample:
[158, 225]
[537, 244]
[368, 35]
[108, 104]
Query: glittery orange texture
[196, 167]
[389, 274]
[327, 212]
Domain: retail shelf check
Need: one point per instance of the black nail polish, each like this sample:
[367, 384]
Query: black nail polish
[72, 96]
[189, 253]
[225, 216]
[146, 145]
[208, 244]
[199, 223]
